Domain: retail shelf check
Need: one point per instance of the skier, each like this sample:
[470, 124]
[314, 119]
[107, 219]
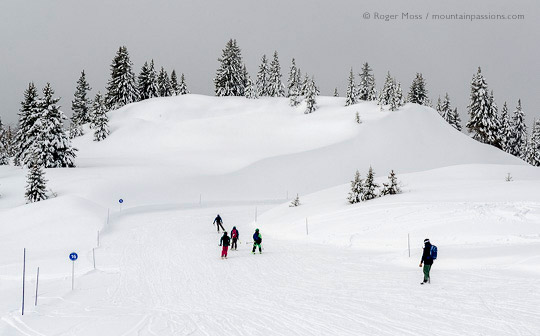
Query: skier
[218, 222]
[225, 242]
[257, 240]
[234, 235]
[427, 259]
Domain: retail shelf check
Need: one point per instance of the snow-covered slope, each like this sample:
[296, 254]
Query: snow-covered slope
[157, 272]
[174, 149]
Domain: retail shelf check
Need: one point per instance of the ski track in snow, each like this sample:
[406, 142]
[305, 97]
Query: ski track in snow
[159, 273]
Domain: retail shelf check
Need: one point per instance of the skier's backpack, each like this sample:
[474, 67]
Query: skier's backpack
[433, 252]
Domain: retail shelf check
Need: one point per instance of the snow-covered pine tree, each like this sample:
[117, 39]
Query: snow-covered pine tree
[357, 118]
[251, 92]
[100, 121]
[292, 81]
[80, 107]
[4, 155]
[263, 78]
[229, 80]
[370, 187]
[183, 90]
[455, 119]
[533, 152]
[366, 87]
[36, 184]
[9, 142]
[147, 81]
[164, 84]
[304, 85]
[505, 130]
[174, 83]
[495, 113]
[387, 95]
[357, 189]
[438, 107]
[121, 88]
[295, 202]
[517, 140]
[294, 96]
[392, 187]
[483, 124]
[351, 90]
[445, 109]
[276, 88]
[52, 147]
[26, 132]
[418, 91]
[336, 93]
[311, 95]
[398, 97]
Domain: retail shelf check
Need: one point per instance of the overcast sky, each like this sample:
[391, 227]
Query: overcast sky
[52, 41]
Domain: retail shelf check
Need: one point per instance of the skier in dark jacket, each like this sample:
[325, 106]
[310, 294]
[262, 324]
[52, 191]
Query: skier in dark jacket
[225, 242]
[257, 240]
[234, 235]
[427, 260]
[218, 222]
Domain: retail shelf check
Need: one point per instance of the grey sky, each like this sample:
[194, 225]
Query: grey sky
[54, 40]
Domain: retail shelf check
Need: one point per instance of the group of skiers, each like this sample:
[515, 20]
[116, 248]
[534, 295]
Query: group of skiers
[429, 253]
[232, 240]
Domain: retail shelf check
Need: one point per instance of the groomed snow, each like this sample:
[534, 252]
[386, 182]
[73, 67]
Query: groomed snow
[158, 266]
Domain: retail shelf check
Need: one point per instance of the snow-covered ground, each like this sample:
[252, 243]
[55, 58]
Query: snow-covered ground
[158, 270]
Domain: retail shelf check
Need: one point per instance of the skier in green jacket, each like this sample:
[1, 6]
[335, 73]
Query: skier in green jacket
[257, 240]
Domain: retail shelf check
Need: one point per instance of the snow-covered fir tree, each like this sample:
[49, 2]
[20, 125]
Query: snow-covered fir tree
[121, 88]
[230, 78]
[366, 87]
[350, 98]
[392, 187]
[336, 93]
[36, 184]
[292, 81]
[389, 95]
[295, 202]
[251, 91]
[370, 187]
[483, 124]
[100, 121]
[533, 151]
[398, 97]
[294, 96]
[182, 88]
[276, 88]
[147, 81]
[445, 109]
[304, 85]
[505, 130]
[357, 189]
[10, 141]
[456, 119]
[174, 83]
[418, 91]
[26, 132]
[311, 96]
[164, 84]
[80, 107]
[263, 78]
[357, 118]
[518, 137]
[4, 155]
[52, 146]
